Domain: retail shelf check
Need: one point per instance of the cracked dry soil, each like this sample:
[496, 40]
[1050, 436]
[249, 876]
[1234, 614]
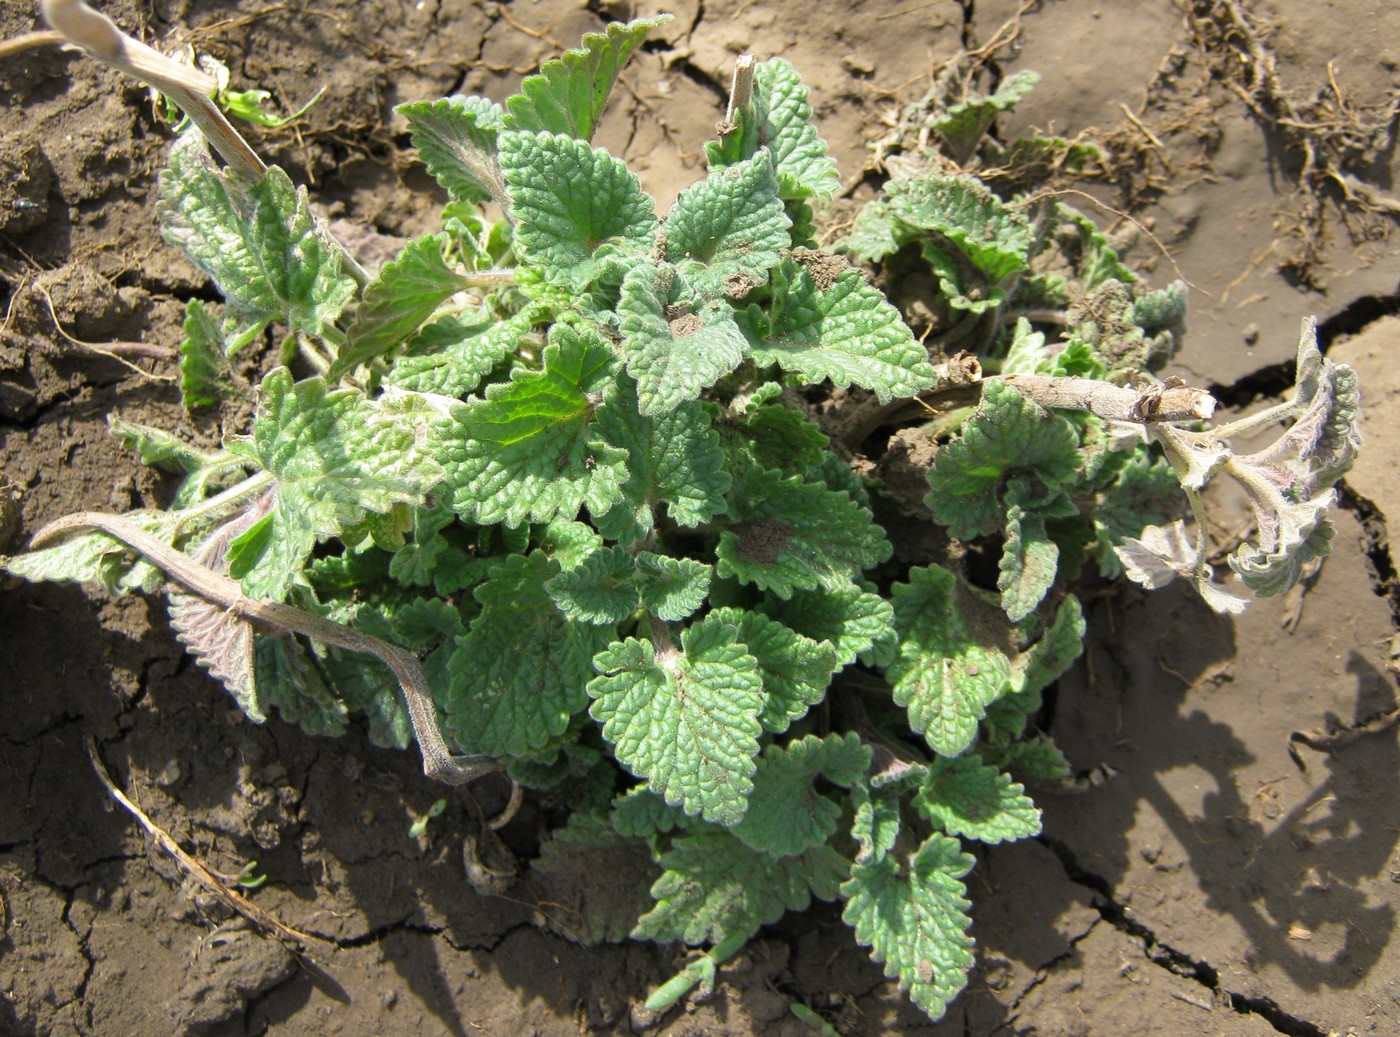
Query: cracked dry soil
[1216, 876]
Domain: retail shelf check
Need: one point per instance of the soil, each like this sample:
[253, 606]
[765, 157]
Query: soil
[1230, 866]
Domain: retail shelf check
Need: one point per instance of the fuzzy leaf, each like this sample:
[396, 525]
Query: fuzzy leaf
[796, 670]
[1007, 434]
[219, 639]
[966, 797]
[529, 450]
[914, 920]
[789, 535]
[451, 356]
[602, 589]
[686, 721]
[1165, 552]
[947, 670]
[854, 621]
[672, 588]
[159, 448]
[875, 825]
[715, 888]
[93, 556]
[573, 205]
[409, 288]
[456, 140]
[779, 118]
[848, 333]
[731, 224]
[994, 238]
[641, 813]
[787, 815]
[288, 679]
[1028, 563]
[963, 125]
[568, 94]
[674, 355]
[518, 676]
[336, 456]
[673, 459]
[205, 377]
[266, 252]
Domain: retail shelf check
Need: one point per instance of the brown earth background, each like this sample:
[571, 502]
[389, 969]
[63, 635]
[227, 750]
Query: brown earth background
[1217, 875]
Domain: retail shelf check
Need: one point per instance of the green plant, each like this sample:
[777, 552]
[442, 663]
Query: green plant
[558, 476]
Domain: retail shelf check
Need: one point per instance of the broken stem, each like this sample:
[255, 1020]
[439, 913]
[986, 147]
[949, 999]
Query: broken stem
[740, 88]
[438, 761]
[1154, 405]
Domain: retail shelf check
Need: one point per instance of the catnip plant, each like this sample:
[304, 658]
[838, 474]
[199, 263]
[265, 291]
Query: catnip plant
[548, 494]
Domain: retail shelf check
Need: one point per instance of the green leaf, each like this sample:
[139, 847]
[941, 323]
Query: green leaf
[779, 118]
[408, 290]
[796, 670]
[673, 459]
[948, 668]
[732, 224]
[159, 448]
[205, 376]
[789, 535]
[993, 237]
[529, 451]
[602, 589]
[672, 351]
[773, 435]
[1007, 434]
[875, 825]
[847, 333]
[1029, 559]
[336, 456]
[568, 94]
[965, 797]
[456, 139]
[451, 356]
[914, 920]
[1057, 648]
[573, 204]
[963, 125]
[641, 813]
[266, 252]
[672, 588]
[787, 815]
[686, 721]
[287, 679]
[518, 676]
[89, 557]
[852, 620]
[715, 888]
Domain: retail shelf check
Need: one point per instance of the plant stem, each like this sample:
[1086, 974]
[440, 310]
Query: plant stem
[700, 971]
[740, 89]
[1115, 402]
[227, 499]
[438, 761]
[189, 88]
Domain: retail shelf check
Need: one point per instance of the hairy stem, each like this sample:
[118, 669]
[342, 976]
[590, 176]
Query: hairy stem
[190, 89]
[438, 761]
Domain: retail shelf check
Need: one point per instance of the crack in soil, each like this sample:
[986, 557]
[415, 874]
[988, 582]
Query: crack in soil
[1374, 526]
[1171, 958]
[1043, 972]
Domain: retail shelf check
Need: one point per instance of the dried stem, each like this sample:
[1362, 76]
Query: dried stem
[438, 761]
[236, 901]
[1154, 405]
[189, 88]
[740, 88]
